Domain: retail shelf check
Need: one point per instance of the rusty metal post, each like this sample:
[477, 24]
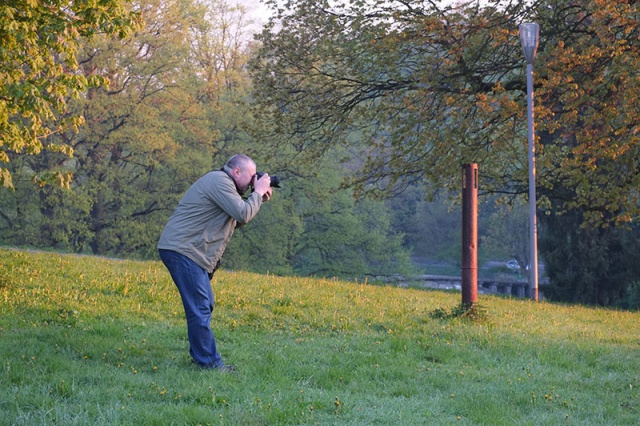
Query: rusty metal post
[469, 235]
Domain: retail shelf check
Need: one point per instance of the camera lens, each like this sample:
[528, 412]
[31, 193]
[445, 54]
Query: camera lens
[275, 180]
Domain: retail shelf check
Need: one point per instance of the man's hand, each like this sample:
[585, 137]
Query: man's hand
[263, 186]
[267, 195]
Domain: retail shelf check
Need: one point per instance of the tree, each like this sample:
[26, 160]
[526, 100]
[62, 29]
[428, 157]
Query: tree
[313, 227]
[175, 108]
[158, 127]
[343, 236]
[39, 72]
[124, 156]
[431, 87]
[403, 75]
[595, 266]
[268, 243]
[589, 110]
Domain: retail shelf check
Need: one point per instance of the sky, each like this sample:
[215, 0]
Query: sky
[257, 11]
[260, 13]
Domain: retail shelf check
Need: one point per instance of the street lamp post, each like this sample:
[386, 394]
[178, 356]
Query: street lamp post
[529, 34]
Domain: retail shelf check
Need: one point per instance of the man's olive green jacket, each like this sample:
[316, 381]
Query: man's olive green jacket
[204, 220]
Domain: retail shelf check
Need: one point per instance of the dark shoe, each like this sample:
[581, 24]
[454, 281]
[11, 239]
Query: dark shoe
[226, 369]
[223, 368]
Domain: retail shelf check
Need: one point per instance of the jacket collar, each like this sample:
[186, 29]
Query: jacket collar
[232, 180]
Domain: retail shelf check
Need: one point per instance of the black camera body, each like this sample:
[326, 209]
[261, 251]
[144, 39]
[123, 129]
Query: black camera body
[275, 180]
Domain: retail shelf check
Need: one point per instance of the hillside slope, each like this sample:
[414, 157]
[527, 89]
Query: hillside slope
[96, 341]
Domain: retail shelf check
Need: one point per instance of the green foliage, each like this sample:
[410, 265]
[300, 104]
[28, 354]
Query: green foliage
[149, 135]
[39, 73]
[431, 228]
[312, 227]
[96, 341]
[267, 244]
[345, 237]
[141, 135]
[631, 298]
[49, 216]
[592, 266]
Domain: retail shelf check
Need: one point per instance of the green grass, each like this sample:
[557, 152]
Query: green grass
[86, 340]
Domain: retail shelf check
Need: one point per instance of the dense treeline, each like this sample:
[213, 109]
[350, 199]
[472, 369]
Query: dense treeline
[175, 108]
[390, 122]
[432, 85]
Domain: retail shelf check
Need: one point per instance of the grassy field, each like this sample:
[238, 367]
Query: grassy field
[86, 340]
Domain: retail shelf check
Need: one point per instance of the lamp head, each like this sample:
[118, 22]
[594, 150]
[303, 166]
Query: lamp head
[529, 35]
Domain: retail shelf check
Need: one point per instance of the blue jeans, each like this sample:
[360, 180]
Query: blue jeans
[197, 298]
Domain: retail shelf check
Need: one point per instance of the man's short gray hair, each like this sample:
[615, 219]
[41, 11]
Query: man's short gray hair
[239, 160]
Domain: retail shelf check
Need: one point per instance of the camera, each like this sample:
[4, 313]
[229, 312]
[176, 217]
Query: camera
[275, 180]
